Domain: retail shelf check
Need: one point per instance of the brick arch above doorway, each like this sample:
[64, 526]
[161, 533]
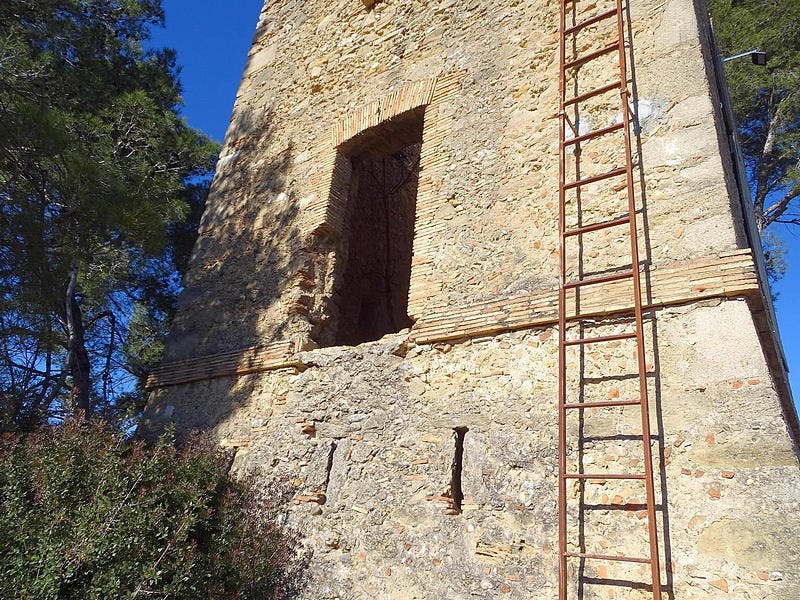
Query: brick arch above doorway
[323, 211]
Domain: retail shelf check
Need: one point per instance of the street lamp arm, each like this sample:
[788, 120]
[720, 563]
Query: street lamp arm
[759, 57]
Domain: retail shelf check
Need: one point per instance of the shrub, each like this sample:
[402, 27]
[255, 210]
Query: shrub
[88, 514]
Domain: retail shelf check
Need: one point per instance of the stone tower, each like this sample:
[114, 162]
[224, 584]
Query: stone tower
[370, 311]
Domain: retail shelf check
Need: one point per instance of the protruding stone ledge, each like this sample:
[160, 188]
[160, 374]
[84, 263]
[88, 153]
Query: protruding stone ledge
[729, 274]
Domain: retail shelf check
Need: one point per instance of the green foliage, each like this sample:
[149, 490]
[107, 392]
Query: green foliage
[97, 174]
[775, 252]
[86, 514]
[766, 100]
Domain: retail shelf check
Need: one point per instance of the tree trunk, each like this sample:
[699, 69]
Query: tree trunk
[77, 356]
[763, 172]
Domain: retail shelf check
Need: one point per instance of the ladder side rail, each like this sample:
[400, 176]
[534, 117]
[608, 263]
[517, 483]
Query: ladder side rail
[562, 324]
[637, 294]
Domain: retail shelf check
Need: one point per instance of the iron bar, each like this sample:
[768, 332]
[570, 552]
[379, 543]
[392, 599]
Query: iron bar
[600, 339]
[595, 226]
[633, 559]
[594, 178]
[598, 280]
[634, 476]
[579, 62]
[603, 404]
[655, 570]
[594, 134]
[591, 21]
[562, 324]
[592, 93]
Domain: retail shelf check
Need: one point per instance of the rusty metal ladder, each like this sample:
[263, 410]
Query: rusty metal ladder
[570, 139]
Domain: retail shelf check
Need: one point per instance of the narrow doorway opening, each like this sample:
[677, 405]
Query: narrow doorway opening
[371, 295]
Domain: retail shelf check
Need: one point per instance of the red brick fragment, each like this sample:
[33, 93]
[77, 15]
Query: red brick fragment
[714, 493]
[728, 474]
[720, 584]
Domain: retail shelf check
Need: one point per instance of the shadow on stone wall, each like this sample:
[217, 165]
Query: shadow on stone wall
[246, 249]
[234, 298]
[242, 264]
[650, 318]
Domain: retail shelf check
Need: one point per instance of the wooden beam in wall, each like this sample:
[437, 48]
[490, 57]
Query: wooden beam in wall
[729, 274]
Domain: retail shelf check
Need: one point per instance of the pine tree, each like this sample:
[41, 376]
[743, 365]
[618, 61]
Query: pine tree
[766, 100]
[94, 165]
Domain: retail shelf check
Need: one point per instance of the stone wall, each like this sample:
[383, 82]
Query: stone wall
[380, 440]
[321, 72]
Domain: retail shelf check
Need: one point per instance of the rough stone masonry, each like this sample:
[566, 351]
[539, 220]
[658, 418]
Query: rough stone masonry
[369, 314]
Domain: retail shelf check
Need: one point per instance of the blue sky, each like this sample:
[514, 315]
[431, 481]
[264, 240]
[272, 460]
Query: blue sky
[788, 289]
[212, 38]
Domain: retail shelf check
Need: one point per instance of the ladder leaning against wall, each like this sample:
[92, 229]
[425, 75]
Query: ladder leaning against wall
[591, 36]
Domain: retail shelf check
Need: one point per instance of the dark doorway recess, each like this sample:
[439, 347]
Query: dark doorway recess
[372, 288]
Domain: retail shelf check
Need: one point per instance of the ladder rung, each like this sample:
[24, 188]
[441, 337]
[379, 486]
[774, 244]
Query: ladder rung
[595, 134]
[603, 476]
[592, 21]
[604, 404]
[633, 559]
[594, 317]
[602, 338]
[598, 280]
[608, 175]
[591, 56]
[595, 226]
[591, 94]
